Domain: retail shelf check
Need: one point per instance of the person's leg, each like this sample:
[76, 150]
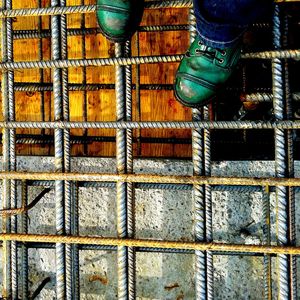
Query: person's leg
[214, 54]
[221, 23]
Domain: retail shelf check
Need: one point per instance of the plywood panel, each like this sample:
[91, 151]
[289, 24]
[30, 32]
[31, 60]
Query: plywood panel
[101, 105]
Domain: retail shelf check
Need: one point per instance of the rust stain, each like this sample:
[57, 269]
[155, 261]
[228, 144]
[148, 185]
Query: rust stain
[171, 102]
[102, 279]
[171, 286]
[250, 105]
[111, 50]
[4, 293]
[30, 94]
[180, 297]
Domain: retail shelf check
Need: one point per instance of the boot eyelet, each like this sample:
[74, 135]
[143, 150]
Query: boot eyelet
[197, 50]
[221, 61]
[223, 53]
[199, 44]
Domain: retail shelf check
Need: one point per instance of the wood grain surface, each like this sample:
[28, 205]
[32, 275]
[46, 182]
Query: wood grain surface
[101, 105]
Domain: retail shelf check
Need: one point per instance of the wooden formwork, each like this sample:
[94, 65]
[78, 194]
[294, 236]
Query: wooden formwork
[100, 105]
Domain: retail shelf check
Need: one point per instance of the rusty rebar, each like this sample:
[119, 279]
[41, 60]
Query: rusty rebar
[105, 241]
[25, 208]
[152, 178]
[83, 9]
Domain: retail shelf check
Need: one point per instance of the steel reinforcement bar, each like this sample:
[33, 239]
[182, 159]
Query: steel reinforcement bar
[96, 240]
[67, 241]
[151, 178]
[83, 9]
[126, 61]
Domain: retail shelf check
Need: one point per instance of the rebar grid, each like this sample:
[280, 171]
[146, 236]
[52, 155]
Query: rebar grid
[65, 183]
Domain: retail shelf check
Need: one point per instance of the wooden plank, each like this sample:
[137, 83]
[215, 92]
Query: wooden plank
[161, 105]
[100, 105]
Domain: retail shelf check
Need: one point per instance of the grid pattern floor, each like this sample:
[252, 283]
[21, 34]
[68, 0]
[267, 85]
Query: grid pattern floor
[67, 240]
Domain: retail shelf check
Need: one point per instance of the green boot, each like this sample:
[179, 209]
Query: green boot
[203, 71]
[119, 19]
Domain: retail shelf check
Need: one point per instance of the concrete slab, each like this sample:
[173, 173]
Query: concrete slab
[160, 214]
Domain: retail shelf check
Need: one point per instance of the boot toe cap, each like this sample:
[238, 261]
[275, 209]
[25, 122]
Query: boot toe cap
[191, 93]
[113, 24]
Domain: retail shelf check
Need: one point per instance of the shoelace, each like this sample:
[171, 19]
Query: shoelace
[209, 52]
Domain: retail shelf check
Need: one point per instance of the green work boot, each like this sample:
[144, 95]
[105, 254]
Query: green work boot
[119, 19]
[203, 71]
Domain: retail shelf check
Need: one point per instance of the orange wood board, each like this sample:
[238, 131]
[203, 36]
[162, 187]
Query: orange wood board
[101, 105]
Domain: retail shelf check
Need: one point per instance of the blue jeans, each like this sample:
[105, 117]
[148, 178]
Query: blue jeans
[221, 23]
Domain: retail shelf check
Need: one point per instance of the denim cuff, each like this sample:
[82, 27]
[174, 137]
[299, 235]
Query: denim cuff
[218, 35]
